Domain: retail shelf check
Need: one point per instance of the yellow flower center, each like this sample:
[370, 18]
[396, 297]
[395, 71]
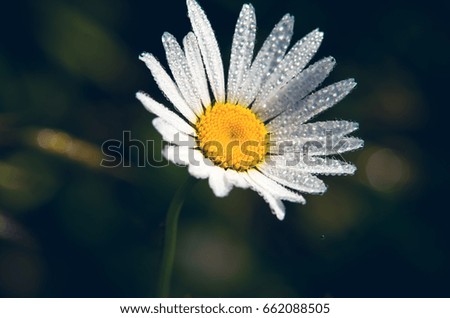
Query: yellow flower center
[232, 136]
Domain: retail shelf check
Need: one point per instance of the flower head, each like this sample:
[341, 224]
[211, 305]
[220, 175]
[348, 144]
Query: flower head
[253, 131]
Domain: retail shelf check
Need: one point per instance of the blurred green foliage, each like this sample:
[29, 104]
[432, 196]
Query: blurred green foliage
[68, 227]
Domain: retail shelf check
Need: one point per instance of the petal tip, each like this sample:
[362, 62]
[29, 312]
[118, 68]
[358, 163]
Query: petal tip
[192, 5]
[141, 95]
[166, 35]
[144, 55]
[147, 57]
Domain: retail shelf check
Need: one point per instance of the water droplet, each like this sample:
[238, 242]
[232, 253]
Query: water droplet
[322, 237]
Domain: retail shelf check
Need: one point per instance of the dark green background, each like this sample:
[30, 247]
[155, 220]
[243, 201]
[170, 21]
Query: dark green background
[68, 74]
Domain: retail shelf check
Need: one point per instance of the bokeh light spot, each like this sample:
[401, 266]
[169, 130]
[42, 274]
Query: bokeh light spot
[385, 170]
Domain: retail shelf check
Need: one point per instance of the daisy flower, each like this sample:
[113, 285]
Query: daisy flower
[250, 131]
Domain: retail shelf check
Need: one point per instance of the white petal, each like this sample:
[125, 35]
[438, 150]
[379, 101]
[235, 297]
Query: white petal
[199, 171]
[218, 182]
[199, 166]
[209, 49]
[172, 134]
[241, 51]
[291, 65]
[167, 86]
[314, 104]
[178, 155]
[340, 145]
[274, 188]
[294, 179]
[167, 115]
[316, 145]
[276, 206]
[236, 178]
[295, 90]
[313, 130]
[202, 167]
[333, 167]
[194, 60]
[181, 72]
[311, 164]
[267, 59]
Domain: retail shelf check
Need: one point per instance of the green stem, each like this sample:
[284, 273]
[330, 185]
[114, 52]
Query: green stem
[170, 237]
